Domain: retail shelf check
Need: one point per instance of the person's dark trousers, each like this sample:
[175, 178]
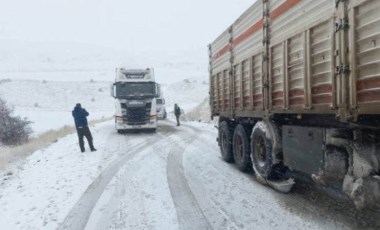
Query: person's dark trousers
[85, 132]
[177, 117]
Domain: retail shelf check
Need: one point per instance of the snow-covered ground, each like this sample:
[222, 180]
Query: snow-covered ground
[173, 179]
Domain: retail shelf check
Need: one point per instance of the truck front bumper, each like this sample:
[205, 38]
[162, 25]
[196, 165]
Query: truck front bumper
[120, 124]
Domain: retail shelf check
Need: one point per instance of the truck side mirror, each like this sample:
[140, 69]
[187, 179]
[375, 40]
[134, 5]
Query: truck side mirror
[113, 90]
[157, 91]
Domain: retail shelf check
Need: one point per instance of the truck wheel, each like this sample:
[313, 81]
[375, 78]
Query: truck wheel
[261, 151]
[241, 149]
[225, 142]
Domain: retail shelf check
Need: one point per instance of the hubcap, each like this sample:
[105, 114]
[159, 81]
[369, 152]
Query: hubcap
[260, 152]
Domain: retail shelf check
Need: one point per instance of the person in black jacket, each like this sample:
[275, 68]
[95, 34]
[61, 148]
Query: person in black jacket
[177, 113]
[80, 119]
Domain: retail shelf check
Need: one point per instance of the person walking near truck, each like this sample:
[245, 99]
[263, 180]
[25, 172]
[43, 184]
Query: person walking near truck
[80, 119]
[177, 113]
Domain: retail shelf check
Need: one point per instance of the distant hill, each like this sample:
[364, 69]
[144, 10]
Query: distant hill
[57, 61]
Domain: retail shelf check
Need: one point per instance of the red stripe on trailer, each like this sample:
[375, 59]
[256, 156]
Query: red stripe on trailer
[298, 101]
[251, 30]
[221, 52]
[322, 89]
[368, 84]
[296, 92]
[257, 97]
[369, 96]
[283, 8]
[277, 94]
[277, 102]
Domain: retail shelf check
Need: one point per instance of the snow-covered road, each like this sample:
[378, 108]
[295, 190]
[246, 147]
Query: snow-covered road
[172, 179]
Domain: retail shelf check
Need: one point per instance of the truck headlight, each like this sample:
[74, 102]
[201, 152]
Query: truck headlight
[153, 118]
[119, 119]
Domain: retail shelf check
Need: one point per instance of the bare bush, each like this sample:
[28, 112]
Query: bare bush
[13, 129]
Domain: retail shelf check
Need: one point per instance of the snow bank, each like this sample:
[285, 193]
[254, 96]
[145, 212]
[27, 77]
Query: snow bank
[187, 94]
[200, 113]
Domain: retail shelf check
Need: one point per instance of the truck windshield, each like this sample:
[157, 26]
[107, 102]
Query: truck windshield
[135, 89]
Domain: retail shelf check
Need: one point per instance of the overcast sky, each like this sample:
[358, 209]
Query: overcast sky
[157, 25]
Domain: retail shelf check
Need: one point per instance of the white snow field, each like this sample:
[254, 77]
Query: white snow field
[49, 104]
[172, 179]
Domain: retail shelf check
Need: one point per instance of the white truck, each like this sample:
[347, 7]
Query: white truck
[135, 93]
[160, 103]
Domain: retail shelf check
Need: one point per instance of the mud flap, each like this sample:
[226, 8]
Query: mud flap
[362, 183]
[283, 186]
[364, 192]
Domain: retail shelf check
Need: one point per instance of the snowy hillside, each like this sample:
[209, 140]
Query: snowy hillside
[65, 61]
[187, 94]
[22, 56]
[49, 103]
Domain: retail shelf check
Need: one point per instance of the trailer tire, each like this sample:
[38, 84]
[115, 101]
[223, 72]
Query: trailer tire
[241, 149]
[262, 142]
[225, 141]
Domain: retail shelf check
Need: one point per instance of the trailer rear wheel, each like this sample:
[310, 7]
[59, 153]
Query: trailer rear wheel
[241, 149]
[262, 151]
[225, 141]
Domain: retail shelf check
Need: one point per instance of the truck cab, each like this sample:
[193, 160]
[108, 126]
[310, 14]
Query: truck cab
[135, 93]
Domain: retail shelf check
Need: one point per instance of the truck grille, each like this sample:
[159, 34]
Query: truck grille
[137, 116]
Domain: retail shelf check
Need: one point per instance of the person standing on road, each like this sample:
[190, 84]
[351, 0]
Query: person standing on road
[177, 113]
[80, 119]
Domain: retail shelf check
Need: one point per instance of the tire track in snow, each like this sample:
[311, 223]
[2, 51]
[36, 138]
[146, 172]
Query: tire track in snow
[119, 190]
[78, 217]
[189, 213]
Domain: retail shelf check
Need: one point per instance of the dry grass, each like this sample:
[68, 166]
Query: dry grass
[8, 155]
